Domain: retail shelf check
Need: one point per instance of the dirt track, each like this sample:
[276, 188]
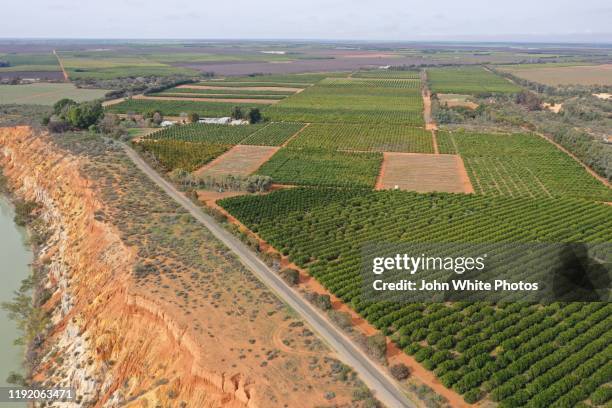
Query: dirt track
[61, 64]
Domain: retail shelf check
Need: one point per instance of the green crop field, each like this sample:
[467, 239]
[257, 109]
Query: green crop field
[189, 156]
[244, 84]
[30, 59]
[394, 83]
[283, 79]
[309, 78]
[387, 73]
[198, 132]
[46, 93]
[29, 62]
[92, 65]
[273, 134]
[204, 92]
[518, 354]
[213, 96]
[468, 80]
[364, 137]
[521, 165]
[342, 100]
[228, 92]
[175, 108]
[318, 167]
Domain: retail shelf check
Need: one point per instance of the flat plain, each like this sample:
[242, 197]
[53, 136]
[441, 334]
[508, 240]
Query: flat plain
[564, 75]
[46, 93]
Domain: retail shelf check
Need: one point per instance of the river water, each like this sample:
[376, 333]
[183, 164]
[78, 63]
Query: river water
[15, 257]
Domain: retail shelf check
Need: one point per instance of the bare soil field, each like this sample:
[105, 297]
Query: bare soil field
[230, 100]
[424, 173]
[581, 75]
[240, 160]
[454, 100]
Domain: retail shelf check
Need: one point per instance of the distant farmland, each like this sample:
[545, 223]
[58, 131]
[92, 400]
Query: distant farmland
[468, 80]
[46, 94]
[565, 75]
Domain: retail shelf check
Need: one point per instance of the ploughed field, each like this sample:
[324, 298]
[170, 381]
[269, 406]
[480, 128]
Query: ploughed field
[424, 173]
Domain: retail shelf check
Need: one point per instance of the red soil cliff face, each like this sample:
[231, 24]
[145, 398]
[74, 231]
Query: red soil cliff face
[117, 338]
[117, 344]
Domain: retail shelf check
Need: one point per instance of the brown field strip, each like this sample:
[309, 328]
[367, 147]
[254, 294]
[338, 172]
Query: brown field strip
[241, 160]
[424, 173]
[244, 88]
[170, 98]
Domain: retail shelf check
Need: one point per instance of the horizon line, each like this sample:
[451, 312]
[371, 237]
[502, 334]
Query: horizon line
[324, 40]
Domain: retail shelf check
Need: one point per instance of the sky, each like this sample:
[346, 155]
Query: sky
[393, 20]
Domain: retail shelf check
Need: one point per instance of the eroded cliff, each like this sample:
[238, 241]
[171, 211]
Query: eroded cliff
[146, 308]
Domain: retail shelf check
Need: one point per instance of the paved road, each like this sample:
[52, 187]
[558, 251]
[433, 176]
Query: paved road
[375, 377]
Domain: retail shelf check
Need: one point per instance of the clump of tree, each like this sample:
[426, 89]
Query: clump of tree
[376, 346]
[253, 115]
[68, 114]
[193, 117]
[31, 319]
[128, 86]
[529, 100]
[25, 211]
[400, 371]
[291, 276]
[251, 184]
[323, 302]
[153, 116]
[342, 319]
